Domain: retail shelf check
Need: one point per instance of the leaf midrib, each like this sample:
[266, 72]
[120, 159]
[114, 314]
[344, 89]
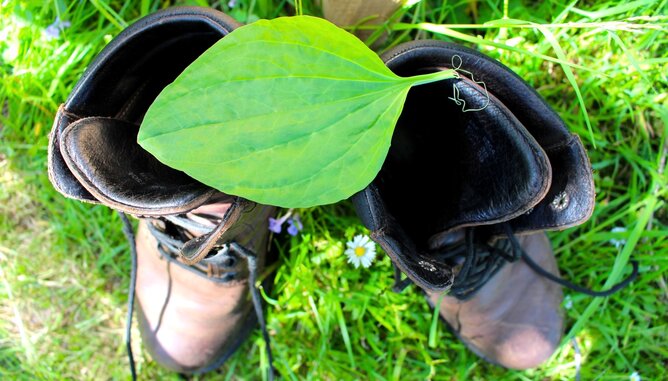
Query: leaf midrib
[241, 157]
[223, 83]
[375, 147]
[314, 174]
[264, 115]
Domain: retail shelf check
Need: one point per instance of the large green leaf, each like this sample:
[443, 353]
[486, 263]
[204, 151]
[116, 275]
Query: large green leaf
[293, 112]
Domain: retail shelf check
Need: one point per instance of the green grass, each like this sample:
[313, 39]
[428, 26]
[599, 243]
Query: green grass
[64, 266]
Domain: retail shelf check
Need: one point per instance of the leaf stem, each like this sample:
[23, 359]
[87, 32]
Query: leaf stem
[432, 77]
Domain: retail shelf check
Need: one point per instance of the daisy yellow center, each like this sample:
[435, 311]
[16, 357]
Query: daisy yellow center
[360, 251]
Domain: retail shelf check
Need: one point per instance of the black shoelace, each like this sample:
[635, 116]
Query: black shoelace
[171, 246]
[479, 261]
[130, 235]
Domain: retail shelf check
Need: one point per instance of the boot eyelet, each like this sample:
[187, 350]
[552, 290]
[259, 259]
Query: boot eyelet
[560, 202]
[427, 266]
[230, 261]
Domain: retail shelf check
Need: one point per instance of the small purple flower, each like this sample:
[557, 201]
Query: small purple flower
[53, 31]
[275, 225]
[294, 226]
[232, 3]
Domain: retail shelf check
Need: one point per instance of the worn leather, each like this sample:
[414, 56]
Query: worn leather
[93, 153]
[492, 169]
[449, 170]
[189, 322]
[570, 200]
[120, 84]
[509, 159]
[396, 242]
[515, 320]
[240, 224]
[103, 155]
[571, 169]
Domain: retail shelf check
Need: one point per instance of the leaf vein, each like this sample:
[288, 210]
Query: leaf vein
[263, 115]
[357, 140]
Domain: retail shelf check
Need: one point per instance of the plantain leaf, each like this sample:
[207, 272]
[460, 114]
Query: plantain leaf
[292, 112]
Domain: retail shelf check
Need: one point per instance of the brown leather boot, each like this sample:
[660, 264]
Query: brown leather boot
[199, 251]
[514, 320]
[192, 318]
[474, 161]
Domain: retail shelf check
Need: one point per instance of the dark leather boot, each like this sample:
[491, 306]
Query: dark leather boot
[199, 250]
[474, 161]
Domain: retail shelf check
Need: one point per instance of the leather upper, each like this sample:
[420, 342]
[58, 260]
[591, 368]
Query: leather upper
[93, 150]
[515, 320]
[483, 149]
[104, 157]
[190, 322]
[94, 132]
[572, 172]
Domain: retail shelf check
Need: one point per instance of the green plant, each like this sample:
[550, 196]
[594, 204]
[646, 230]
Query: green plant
[65, 268]
[293, 112]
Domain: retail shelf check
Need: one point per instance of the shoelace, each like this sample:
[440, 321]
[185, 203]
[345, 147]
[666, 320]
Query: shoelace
[480, 260]
[130, 236]
[171, 246]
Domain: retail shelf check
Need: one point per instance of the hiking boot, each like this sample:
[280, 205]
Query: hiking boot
[199, 251]
[475, 160]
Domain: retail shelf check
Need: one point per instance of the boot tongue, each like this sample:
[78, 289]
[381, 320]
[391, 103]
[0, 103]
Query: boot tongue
[104, 156]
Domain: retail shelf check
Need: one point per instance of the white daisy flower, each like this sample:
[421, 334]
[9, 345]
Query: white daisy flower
[634, 377]
[361, 251]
